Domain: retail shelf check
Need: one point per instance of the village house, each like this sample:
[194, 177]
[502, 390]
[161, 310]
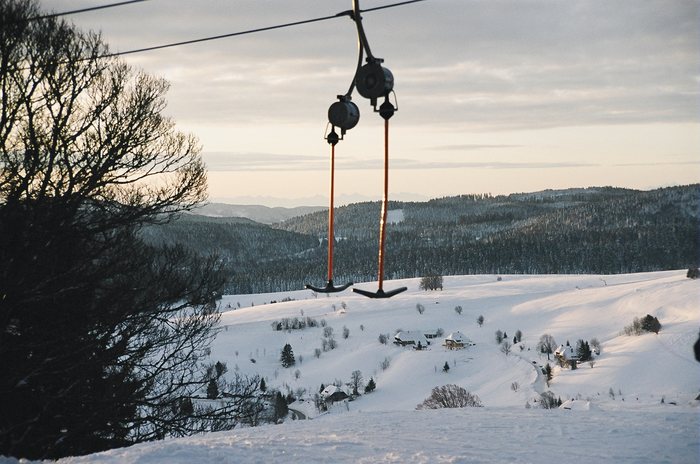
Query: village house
[456, 341]
[566, 355]
[566, 352]
[411, 337]
[332, 394]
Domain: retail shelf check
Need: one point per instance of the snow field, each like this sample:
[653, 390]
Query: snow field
[644, 368]
[384, 427]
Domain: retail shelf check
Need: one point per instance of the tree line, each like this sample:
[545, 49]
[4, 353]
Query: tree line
[600, 231]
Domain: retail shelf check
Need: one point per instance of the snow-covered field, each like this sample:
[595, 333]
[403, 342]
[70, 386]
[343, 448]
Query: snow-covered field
[636, 403]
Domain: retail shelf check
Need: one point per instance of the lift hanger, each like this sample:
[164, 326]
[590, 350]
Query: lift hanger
[372, 81]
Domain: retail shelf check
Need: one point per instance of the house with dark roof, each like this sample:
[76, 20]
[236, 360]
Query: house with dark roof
[411, 337]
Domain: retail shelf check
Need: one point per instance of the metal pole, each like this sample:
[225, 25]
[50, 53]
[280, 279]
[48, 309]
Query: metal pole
[385, 206]
[331, 238]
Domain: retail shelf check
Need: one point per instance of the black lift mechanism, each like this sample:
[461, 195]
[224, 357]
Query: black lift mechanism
[374, 82]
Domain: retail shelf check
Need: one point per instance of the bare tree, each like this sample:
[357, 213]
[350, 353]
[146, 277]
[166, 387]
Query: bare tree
[506, 347]
[549, 401]
[547, 345]
[356, 381]
[103, 339]
[499, 336]
[518, 336]
[450, 396]
[431, 282]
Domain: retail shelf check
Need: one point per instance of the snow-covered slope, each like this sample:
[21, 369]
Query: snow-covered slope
[644, 368]
[631, 425]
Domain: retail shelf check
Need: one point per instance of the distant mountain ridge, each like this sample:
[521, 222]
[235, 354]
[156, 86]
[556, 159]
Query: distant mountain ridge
[601, 230]
[257, 213]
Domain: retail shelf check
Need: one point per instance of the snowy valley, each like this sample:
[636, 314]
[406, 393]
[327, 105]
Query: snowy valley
[636, 402]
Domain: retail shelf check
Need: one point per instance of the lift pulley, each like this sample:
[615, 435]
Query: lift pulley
[372, 81]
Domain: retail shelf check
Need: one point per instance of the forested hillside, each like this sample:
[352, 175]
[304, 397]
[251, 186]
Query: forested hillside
[596, 230]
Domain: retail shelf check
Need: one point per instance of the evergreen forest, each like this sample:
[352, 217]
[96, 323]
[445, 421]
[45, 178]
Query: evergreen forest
[594, 231]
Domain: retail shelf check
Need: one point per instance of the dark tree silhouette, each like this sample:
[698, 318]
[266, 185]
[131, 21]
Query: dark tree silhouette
[287, 356]
[371, 386]
[651, 324]
[103, 339]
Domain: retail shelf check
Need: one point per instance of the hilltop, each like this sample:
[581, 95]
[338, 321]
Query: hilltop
[576, 231]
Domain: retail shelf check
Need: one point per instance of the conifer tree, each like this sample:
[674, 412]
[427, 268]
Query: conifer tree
[212, 389]
[651, 324]
[287, 357]
[548, 373]
[583, 350]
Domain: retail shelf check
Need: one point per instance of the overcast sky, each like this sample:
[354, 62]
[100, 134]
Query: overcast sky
[494, 96]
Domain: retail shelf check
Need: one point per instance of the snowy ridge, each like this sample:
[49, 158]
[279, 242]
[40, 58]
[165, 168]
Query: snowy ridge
[635, 404]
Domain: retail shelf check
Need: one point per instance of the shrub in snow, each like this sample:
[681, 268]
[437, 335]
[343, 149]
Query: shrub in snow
[385, 364]
[651, 324]
[693, 273]
[332, 344]
[547, 371]
[480, 320]
[420, 308]
[450, 396]
[506, 347]
[499, 337]
[549, 401]
[458, 309]
[431, 282]
[638, 326]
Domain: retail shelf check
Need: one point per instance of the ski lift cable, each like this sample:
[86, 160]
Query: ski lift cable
[85, 10]
[256, 30]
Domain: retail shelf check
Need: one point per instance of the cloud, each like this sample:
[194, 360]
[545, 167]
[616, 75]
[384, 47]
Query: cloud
[497, 65]
[231, 161]
[662, 163]
[471, 146]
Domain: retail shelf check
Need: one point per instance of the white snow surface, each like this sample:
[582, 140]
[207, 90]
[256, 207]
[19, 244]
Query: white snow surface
[651, 415]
